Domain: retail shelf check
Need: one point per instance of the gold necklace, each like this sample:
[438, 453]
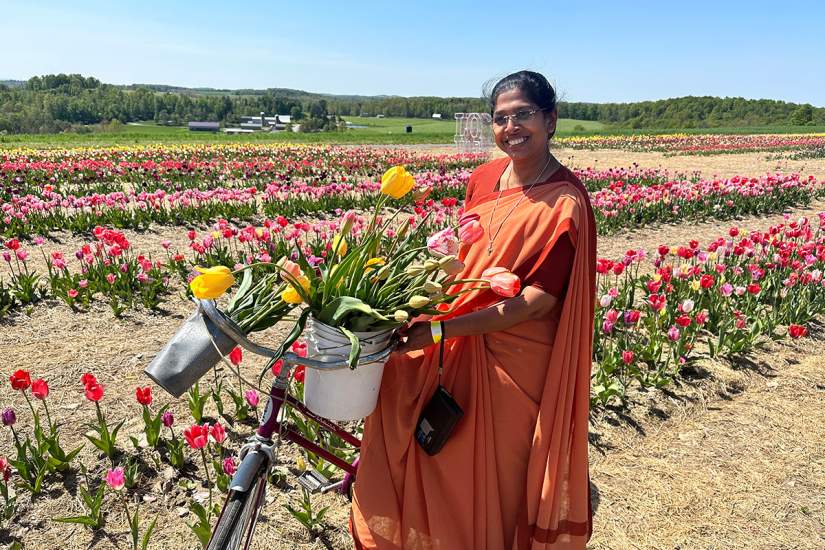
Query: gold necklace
[495, 206]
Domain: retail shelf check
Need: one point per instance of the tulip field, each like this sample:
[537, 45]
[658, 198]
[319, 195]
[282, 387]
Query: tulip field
[98, 247]
[797, 145]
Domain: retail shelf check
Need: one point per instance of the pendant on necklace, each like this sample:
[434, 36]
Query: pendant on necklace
[490, 249]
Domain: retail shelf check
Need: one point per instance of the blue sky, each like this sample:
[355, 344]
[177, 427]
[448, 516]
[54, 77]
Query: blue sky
[592, 51]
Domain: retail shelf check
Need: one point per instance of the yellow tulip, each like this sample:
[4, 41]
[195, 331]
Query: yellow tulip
[292, 296]
[431, 264]
[451, 265]
[694, 285]
[373, 262]
[396, 182]
[432, 287]
[414, 270]
[417, 302]
[339, 245]
[212, 282]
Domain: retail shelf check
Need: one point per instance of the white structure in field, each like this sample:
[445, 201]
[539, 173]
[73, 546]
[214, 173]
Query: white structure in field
[473, 132]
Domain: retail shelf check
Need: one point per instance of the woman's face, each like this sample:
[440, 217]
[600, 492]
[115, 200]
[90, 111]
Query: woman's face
[521, 139]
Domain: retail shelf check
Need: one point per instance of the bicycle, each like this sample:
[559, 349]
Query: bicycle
[236, 523]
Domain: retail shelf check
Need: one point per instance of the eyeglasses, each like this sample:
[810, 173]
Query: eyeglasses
[518, 117]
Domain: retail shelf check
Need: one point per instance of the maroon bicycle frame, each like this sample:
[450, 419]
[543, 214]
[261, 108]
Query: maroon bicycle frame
[269, 424]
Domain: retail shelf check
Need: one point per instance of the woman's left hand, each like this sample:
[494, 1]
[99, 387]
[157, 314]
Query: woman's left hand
[416, 336]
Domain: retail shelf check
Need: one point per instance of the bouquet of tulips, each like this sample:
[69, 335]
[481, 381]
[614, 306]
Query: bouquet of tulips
[379, 279]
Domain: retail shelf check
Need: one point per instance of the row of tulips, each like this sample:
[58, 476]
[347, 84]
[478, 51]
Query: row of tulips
[49, 207]
[109, 269]
[644, 197]
[621, 206]
[659, 313]
[698, 144]
[85, 171]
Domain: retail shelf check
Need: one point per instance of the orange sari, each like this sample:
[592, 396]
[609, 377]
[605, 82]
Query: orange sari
[514, 473]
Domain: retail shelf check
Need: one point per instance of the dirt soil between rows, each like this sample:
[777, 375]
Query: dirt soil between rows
[730, 457]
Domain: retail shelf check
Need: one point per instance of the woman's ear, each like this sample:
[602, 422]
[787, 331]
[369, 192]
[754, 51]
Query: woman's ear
[552, 119]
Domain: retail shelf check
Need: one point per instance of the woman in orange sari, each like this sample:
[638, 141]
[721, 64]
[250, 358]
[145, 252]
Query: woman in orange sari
[514, 472]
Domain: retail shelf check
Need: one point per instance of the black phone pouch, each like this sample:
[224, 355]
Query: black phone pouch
[439, 416]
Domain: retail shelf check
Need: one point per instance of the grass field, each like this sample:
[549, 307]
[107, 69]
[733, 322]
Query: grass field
[390, 131]
[377, 131]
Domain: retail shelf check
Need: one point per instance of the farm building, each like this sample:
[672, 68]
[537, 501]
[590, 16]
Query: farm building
[277, 122]
[204, 126]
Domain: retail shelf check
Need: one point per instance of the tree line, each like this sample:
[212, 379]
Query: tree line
[55, 103]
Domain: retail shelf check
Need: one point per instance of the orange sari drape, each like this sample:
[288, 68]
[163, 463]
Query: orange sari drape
[514, 474]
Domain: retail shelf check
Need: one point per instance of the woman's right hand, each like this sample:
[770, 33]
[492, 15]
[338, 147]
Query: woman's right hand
[415, 336]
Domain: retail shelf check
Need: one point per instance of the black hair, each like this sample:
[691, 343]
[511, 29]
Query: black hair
[537, 89]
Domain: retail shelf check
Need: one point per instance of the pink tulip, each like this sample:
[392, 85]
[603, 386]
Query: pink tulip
[115, 478]
[251, 397]
[229, 466]
[502, 282]
[673, 333]
[443, 243]
[218, 433]
[726, 289]
[469, 228]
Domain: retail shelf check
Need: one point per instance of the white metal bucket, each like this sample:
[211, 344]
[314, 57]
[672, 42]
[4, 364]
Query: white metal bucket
[342, 394]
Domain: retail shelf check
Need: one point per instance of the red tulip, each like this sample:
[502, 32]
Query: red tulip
[236, 356]
[299, 348]
[657, 302]
[300, 373]
[683, 320]
[144, 395]
[20, 380]
[502, 282]
[88, 379]
[94, 392]
[707, 281]
[197, 435]
[40, 389]
[754, 288]
[627, 357]
[603, 265]
[797, 331]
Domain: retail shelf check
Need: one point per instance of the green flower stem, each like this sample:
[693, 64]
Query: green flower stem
[31, 406]
[52, 427]
[208, 480]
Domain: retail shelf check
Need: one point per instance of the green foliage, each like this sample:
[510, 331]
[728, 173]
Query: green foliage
[306, 515]
[693, 112]
[93, 519]
[197, 402]
[202, 527]
[106, 438]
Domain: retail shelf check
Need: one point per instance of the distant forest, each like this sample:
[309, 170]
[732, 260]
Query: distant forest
[55, 103]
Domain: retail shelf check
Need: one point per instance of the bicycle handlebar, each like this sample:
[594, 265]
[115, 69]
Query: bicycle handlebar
[232, 330]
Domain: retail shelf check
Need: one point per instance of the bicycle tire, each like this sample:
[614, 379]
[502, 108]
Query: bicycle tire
[239, 511]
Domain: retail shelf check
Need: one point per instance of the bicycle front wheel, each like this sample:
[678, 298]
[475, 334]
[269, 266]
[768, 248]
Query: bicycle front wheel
[237, 520]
